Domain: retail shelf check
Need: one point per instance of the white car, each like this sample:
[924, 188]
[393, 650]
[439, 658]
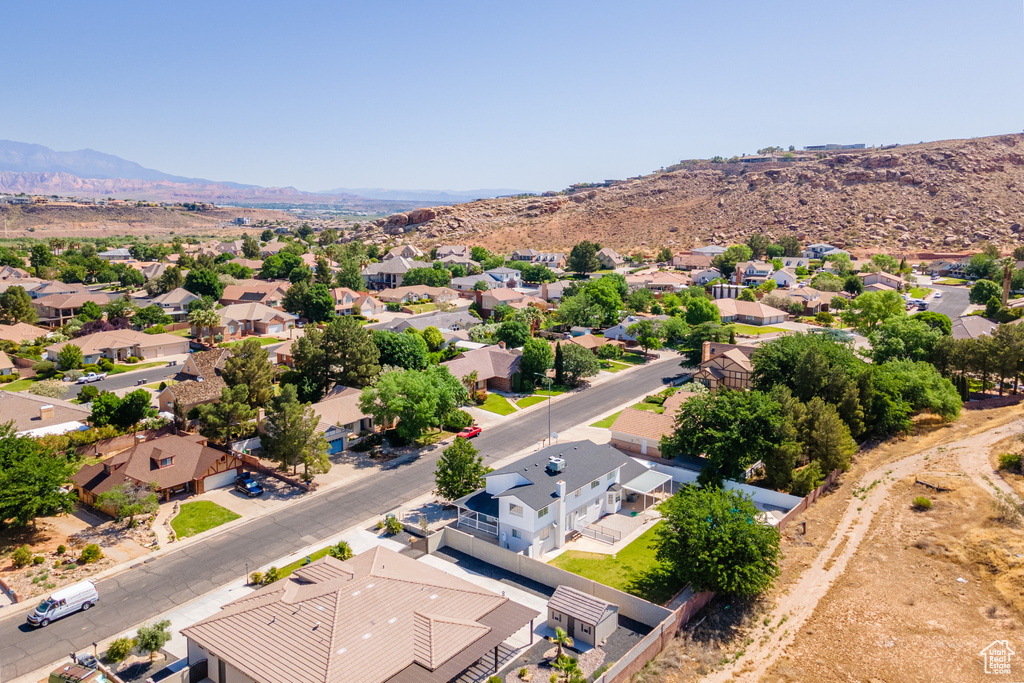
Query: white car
[938, 294]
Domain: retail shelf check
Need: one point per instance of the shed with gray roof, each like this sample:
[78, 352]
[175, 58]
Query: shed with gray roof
[582, 616]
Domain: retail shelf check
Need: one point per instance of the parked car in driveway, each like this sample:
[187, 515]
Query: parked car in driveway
[247, 485]
[469, 432]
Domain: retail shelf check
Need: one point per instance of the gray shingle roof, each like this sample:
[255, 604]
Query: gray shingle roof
[584, 607]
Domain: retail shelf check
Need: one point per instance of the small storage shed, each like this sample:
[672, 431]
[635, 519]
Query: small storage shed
[584, 617]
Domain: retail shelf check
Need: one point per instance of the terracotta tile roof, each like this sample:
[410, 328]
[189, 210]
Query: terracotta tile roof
[257, 291]
[645, 424]
[750, 309]
[73, 300]
[255, 312]
[360, 621]
[191, 459]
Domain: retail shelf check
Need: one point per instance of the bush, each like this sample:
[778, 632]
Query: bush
[342, 551]
[1010, 462]
[271, 576]
[131, 360]
[393, 526]
[367, 443]
[73, 374]
[38, 559]
[657, 400]
[380, 524]
[120, 649]
[806, 480]
[4, 379]
[609, 352]
[45, 368]
[922, 503]
[393, 306]
[163, 385]
[61, 549]
[105, 365]
[256, 579]
[21, 556]
[91, 553]
[88, 393]
[457, 420]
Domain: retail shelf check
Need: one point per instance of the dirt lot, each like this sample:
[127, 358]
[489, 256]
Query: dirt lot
[867, 603]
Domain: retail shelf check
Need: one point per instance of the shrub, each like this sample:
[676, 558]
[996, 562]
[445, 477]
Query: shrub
[457, 420]
[522, 672]
[73, 374]
[131, 360]
[393, 526]
[88, 393]
[38, 559]
[61, 549]
[256, 578]
[1010, 462]
[105, 365]
[21, 556]
[393, 306]
[495, 679]
[271, 576]
[380, 524]
[806, 479]
[120, 649]
[342, 551]
[93, 367]
[163, 385]
[4, 379]
[91, 553]
[609, 352]
[44, 368]
[922, 503]
[657, 399]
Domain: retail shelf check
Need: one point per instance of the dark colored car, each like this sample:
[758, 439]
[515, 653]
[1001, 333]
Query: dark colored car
[469, 432]
[247, 485]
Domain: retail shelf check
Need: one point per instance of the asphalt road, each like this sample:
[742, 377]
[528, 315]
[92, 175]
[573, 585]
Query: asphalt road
[138, 595]
[953, 303]
[128, 379]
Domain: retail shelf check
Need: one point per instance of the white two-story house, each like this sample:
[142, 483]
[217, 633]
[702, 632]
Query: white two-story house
[533, 504]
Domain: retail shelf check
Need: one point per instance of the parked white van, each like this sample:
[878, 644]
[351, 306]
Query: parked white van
[80, 596]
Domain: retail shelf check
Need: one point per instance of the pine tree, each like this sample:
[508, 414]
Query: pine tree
[559, 365]
[249, 364]
[290, 435]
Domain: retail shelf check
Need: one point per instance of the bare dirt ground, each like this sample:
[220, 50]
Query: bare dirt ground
[871, 592]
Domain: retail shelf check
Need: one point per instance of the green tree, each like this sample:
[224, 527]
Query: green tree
[790, 245]
[318, 305]
[419, 400]
[713, 539]
[431, 277]
[758, 245]
[229, 417]
[726, 262]
[536, 360]
[983, 290]
[129, 500]
[583, 258]
[42, 258]
[747, 295]
[290, 437]
[203, 282]
[204, 319]
[122, 307]
[853, 284]
[826, 437]
[123, 413]
[70, 357]
[903, 338]
[641, 300]
[827, 282]
[647, 334]
[149, 639]
[131, 278]
[578, 363]
[869, 309]
[579, 310]
[459, 471]
[150, 316]
[700, 311]
[401, 350]
[513, 333]
[731, 429]
[559, 364]
[91, 310]
[16, 306]
[348, 275]
[664, 255]
[32, 478]
[434, 338]
[250, 247]
[249, 365]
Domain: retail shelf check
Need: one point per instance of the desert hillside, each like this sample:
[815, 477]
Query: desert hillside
[931, 197]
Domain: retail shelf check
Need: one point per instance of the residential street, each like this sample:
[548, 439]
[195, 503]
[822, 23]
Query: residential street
[953, 303]
[128, 379]
[141, 594]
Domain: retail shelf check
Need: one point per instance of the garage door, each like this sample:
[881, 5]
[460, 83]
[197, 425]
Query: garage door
[216, 481]
[276, 329]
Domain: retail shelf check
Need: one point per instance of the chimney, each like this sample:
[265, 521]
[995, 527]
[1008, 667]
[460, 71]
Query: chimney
[560, 488]
[501, 345]
[705, 351]
[46, 412]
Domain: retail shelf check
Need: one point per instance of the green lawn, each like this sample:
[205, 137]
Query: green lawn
[199, 516]
[19, 384]
[606, 422]
[653, 407]
[949, 281]
[556, 390]
[756, 329]
[182, 333]
[613, 366]
[530, 401]
[920, 292]
[156, 385]
[264, 341]
[421, 308]
[632, 359]
[128, 367]
[289, 568]
[633, 569]
[496, 403]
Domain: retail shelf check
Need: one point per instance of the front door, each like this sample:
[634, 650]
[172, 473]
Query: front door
[571, 627]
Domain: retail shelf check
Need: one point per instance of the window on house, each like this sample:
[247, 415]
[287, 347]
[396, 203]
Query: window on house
[556, 616]
[579, 492]
[545, 533]
[584, 628]
[516, 533]
[611, 475]
[594, 484]
[515, 510]
[543, 511]
[166, 462]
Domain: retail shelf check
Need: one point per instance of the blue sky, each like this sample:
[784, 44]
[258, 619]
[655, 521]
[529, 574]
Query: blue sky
[529, 95]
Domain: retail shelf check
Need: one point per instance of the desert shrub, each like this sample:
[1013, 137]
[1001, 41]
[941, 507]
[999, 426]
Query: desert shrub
[132, 360]
[380, 524]
[61, 549]
[21, 556]
[922, 503]
[120, 649]
[38, 559]
[1010, 462]
[256, 578]
[393, 526]
[91, 553]
[342, 551]
[271, 576]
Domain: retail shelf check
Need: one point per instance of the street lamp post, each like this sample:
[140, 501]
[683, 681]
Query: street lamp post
[549, 410]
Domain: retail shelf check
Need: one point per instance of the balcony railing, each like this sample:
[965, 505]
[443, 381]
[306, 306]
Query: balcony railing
[603, 534]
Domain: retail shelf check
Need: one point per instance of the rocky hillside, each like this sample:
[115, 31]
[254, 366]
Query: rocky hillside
[932, 197]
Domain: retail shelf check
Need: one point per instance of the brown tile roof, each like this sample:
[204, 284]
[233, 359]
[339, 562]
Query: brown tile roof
[23, 409]
[376, 616]
[489, 362]
[752, 309]
[254, 291]
[98, 342]
[340, 407]
[21, 332]
[191, 459]
[645, 424]
[73, 300]
[252, 311]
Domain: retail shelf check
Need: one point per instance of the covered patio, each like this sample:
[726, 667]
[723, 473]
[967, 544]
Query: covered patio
[478, 511]
[651, 485]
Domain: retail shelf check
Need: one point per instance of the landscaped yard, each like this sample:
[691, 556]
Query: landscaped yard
[264, 341]
[633, 569]
[182, 333]
[920, 292]
[496, 403]
[632, 358]
[313, 557]
[128, 367]
[950, 281]
[421, 308]
[530, 401]
[756, 329]
[606, 422]
[18, 384]
[653, 407]
[199, 516]
[613, 366]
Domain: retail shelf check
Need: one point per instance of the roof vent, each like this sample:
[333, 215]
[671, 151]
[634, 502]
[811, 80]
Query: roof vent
[556, 464]
[46, 412]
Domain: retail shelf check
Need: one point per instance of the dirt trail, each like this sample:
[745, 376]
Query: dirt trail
[794, 608]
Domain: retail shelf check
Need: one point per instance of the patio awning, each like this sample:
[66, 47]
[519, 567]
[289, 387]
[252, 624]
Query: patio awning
[647, 482]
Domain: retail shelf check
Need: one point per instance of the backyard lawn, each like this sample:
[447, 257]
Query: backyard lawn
[18, 384]
[264, 341]
[496, 403]
[633, 569]
[199, 516]
[182, 333]
[606, 422]
[756, 329]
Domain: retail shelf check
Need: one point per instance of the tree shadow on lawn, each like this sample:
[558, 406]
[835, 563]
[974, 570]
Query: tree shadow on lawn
[656, 584]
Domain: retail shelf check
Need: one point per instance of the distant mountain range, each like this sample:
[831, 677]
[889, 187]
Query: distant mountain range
[35, 169]
[434, 196]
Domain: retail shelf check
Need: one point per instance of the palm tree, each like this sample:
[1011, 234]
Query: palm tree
[469, 381]
[569, 669]
[204, 318]
[561, 639]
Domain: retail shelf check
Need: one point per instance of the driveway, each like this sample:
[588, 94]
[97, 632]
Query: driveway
[138, 595]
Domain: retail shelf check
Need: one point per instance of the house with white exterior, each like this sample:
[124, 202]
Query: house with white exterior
[535, 503]
[882, 278]
[753, 273]
[620, 332]
[705, 275]
[785, 277]
[821, 250]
